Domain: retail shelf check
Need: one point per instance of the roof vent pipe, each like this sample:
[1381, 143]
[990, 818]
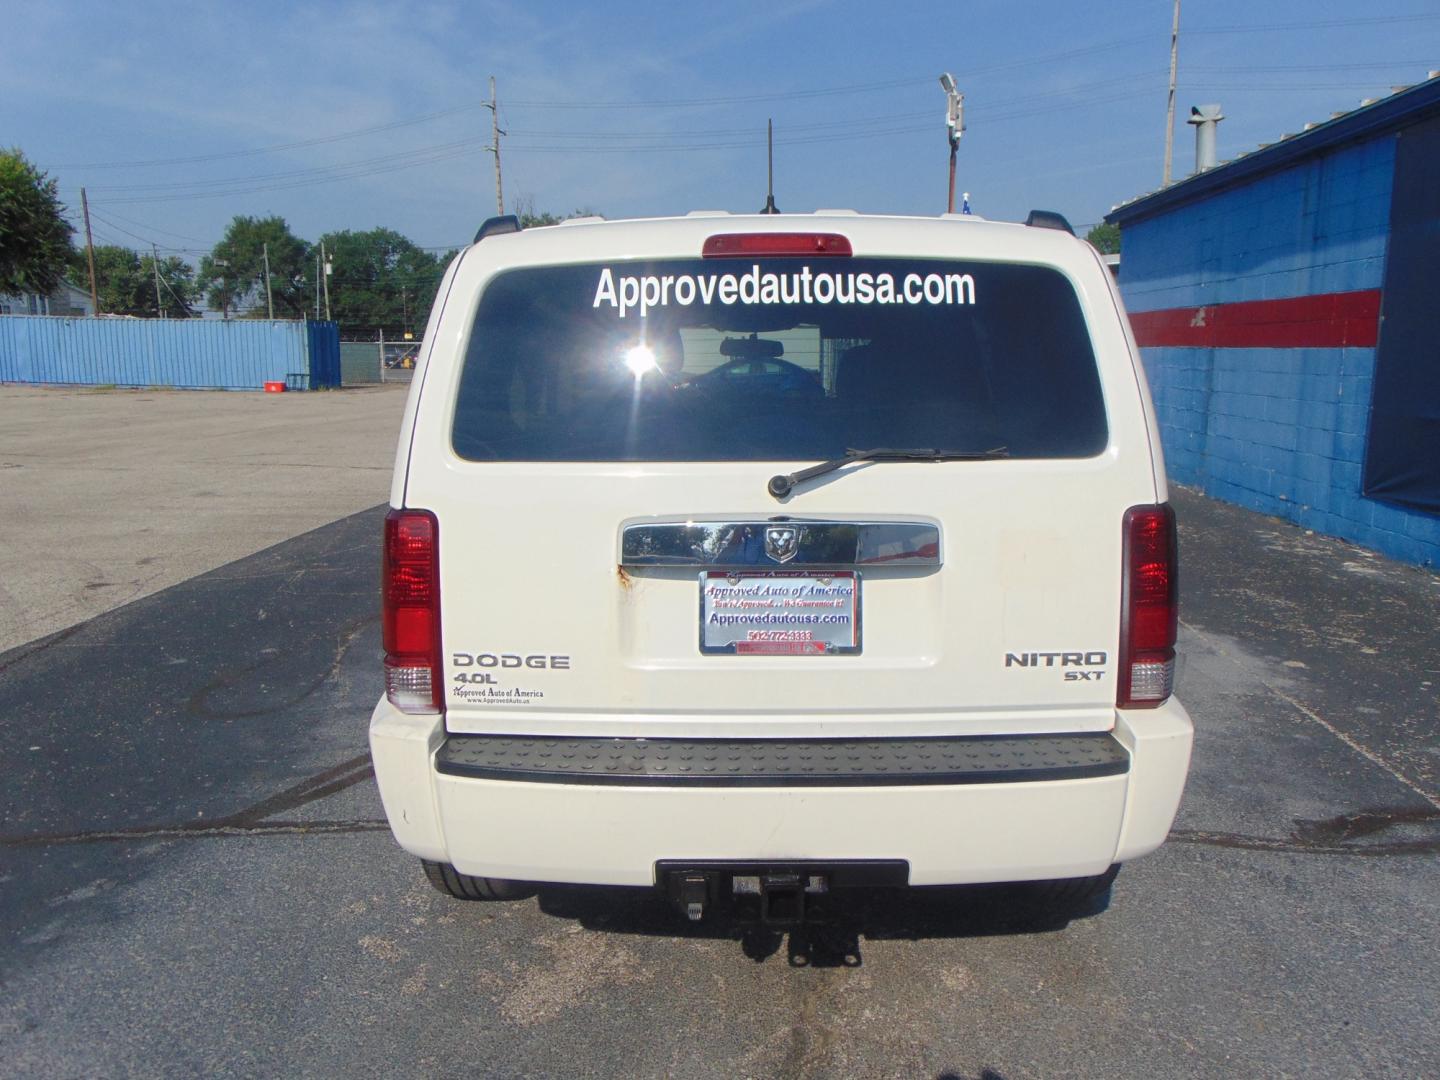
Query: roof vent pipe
[1204, 117]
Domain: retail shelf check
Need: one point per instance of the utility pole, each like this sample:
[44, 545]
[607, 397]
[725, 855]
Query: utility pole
[954, 128]
[90, 253]
[155, 265]
[224, 286]
[494, 147]
[317, 288]
[1170, 108]
[325, 277]
[269, 300]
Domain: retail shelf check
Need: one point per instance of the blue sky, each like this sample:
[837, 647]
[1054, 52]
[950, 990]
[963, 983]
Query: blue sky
[639, 109]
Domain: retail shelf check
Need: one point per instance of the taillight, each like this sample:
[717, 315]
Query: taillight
[741, 245]
[410, 620]
[1150, 608]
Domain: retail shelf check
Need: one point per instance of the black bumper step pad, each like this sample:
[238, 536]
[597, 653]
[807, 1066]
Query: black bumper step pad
[968, 759]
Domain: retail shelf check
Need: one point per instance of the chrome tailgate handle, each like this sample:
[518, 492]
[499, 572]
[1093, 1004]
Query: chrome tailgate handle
[835, 545]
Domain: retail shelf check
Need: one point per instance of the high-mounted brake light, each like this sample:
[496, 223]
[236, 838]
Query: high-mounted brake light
[744, 245]
[410, 620]
[1149, 607]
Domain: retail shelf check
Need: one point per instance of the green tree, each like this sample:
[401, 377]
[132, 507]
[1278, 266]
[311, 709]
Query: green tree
[118, 284]
[177, 285]
[34, 235]
[380, 281]
[232, 276]
[125, 282]
[524, 209]
[1106, 238]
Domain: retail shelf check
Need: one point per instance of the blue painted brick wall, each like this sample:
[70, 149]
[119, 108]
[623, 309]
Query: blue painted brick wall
[1281, 431]
[1317, 227]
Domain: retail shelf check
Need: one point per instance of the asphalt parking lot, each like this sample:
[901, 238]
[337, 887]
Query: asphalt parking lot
[195, 875]
[108, 495]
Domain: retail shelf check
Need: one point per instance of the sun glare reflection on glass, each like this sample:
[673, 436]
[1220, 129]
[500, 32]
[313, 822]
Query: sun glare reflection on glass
[641, 360]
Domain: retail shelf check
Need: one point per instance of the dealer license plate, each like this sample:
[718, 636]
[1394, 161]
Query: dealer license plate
[779, 613]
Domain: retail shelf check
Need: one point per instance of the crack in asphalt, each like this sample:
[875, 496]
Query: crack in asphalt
[1343, 737]
[255, 819]
[200, 832]
[25, 652]
[199, 706]
[1331, 836]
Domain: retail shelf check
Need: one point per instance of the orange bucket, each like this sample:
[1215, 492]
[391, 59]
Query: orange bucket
[274, 388]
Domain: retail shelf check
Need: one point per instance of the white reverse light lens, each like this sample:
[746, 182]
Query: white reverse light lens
[1152, 680]
[409, 688]
[641, 360]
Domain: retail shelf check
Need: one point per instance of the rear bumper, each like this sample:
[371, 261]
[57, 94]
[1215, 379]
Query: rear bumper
[544, 828]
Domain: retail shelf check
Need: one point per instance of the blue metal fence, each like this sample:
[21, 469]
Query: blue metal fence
[235, 354]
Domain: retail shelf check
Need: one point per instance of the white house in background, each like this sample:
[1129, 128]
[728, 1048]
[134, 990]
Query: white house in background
[66, 299]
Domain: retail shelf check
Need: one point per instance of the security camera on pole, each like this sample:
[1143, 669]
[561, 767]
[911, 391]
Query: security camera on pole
[954, 126]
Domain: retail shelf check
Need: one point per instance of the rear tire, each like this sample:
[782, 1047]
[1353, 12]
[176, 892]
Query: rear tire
[451, 882]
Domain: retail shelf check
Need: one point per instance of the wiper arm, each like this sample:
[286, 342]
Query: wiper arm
[781, 485]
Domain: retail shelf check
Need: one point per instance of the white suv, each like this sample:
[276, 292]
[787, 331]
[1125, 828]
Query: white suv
[767, 555]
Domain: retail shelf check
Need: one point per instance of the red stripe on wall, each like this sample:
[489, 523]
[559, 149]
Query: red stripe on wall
[1329, 320]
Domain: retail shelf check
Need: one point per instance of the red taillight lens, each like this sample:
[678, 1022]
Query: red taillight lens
[741, 245]
[1150, 608]
[410, 610]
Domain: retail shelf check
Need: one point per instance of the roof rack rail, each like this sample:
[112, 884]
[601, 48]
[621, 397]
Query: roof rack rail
[497, 226]
[1048, 219]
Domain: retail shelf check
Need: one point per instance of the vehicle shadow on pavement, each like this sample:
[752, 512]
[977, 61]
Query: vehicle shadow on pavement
[835, 924]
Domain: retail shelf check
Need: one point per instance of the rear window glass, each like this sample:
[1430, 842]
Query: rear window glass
[776, 359]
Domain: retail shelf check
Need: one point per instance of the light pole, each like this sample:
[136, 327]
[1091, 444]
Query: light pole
[1170, 107]
[954, 128]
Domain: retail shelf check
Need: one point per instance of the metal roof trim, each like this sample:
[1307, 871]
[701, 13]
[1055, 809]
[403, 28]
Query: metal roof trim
[1376, 118]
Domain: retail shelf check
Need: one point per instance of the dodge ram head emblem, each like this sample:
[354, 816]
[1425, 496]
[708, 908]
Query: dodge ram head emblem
[781, 542]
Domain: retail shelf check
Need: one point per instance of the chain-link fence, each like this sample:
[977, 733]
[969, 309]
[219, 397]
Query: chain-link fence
[366, 363]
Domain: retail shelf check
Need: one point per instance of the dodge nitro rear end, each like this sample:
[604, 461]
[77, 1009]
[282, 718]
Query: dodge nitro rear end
[776, 554]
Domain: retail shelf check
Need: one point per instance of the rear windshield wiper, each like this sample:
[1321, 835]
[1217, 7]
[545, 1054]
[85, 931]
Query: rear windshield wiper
[781, 485]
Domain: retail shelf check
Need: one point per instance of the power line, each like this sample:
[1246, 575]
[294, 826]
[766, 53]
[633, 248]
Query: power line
[798, 95]
[999, 114]
[167, 232]
[1312, 24]
[237, 186]
[708, 136]
[184, 306]
[739, 99]
[863, 128]
[1249, 87]
[642, 142]
[1029, 62]
[1379, 65]
[120, 228]
[106, 239]
[317, 170]
[286, 186]
[275, 148]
